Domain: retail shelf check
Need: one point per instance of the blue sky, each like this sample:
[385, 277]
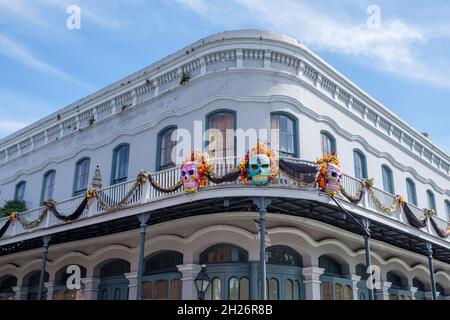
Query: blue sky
[405, 64]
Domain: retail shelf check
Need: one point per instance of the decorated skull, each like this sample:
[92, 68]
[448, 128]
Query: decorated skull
[190, 177]
[333, 179]
[259, 169]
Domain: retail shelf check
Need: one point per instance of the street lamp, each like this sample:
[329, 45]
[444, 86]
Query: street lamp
[202, 283]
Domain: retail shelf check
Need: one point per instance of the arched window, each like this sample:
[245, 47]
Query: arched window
[161, 290]
[431, 200]
[282, 255]
[233, 289]
[447, 209]
[221, 126]
[147, 290]
[395, 280]
[411, 190]
[176, 289]
[20, 191]
[166, 145]
[328, 143]
[388, 179]
[289, 290]
[48, 185]
[440, 289]
[115, 268]
[120, 163]
[331, 266]
[244, 289]
[288, 133]
[223, 253]
[6, 287]
[81, 176]
[360, 165]
[418, 284]
[165, 261]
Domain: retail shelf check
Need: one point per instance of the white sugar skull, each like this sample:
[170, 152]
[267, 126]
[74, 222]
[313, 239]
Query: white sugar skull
[333, 179]
[190, 177]
[259, 169]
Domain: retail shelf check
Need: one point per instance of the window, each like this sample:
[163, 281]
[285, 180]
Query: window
[411, 190]
[81, 176]
[165, 148]
[161, 290]
[418, 284]
[223, 253]
[20, 191]
[282, 255]
[328, 143]
[221, 126]
[395, 280]
[120, 163]
[233, 289]
[360, 165]
[288, 290]
[244, 289]
[331, 266]
[165, 261]
[48, 186]
[287, 139]
[447, 209]
[431, 200]
[176, 289]
[115, 268]
[388, 179]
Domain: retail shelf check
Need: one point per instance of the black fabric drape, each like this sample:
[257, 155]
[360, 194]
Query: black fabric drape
[229, 177]
[75, 215]
[303, 172]
[412, 219]
[5, 227]
[441, 233]
[164, 190]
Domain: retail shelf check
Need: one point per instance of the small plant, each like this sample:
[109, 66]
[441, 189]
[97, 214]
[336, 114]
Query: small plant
[91, 121]
[185, 77]
[12, 206]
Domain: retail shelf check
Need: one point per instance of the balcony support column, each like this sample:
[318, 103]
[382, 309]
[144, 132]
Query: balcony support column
[430, 266]
[143, 219]
[366, 224]
[262, 204]
[46, 241]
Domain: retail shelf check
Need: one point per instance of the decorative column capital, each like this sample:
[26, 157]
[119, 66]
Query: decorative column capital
[189, 271]
[312, 273]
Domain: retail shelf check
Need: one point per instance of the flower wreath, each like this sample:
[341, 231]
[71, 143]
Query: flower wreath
[322, 162]
[259, 148]
[204, 168]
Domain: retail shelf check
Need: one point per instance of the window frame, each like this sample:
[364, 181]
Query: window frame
[75, 190]
[160, 136]
[359, 153]
[208, 118]
[447, 208]
[17, 188]
[295, 128]
[388, 185]
[431, 201]
[116, 151]
[44, 185]
[411, 188]
[331, 138]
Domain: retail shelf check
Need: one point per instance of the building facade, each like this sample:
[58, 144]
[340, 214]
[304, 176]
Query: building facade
[237, 80]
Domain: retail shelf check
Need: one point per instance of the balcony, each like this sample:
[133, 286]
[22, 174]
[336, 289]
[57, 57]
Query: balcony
[290, 198]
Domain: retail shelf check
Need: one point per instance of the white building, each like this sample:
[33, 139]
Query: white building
[236, 80]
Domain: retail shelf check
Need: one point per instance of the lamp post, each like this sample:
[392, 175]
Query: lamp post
[202, 283]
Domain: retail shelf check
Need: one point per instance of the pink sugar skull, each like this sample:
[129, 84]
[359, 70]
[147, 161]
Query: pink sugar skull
[333, 179]
[190, 177]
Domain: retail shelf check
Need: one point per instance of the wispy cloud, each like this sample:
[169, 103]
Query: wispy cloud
[8, 127]
[20, 53]
[397, 47]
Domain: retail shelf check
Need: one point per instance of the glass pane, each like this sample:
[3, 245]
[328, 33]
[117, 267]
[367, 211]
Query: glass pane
[233, 289]
[348, 293]
[327, 291]
[147, 290]
[176, 289]
[117, 294]
[296, 290]
[161, 289]
[288, 290]
[273, 289]
[244, 289]
[339, 292]
[221, 135]
[217, 289]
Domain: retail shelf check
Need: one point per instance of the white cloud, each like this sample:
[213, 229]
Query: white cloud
[397, 47]
[19, 52]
